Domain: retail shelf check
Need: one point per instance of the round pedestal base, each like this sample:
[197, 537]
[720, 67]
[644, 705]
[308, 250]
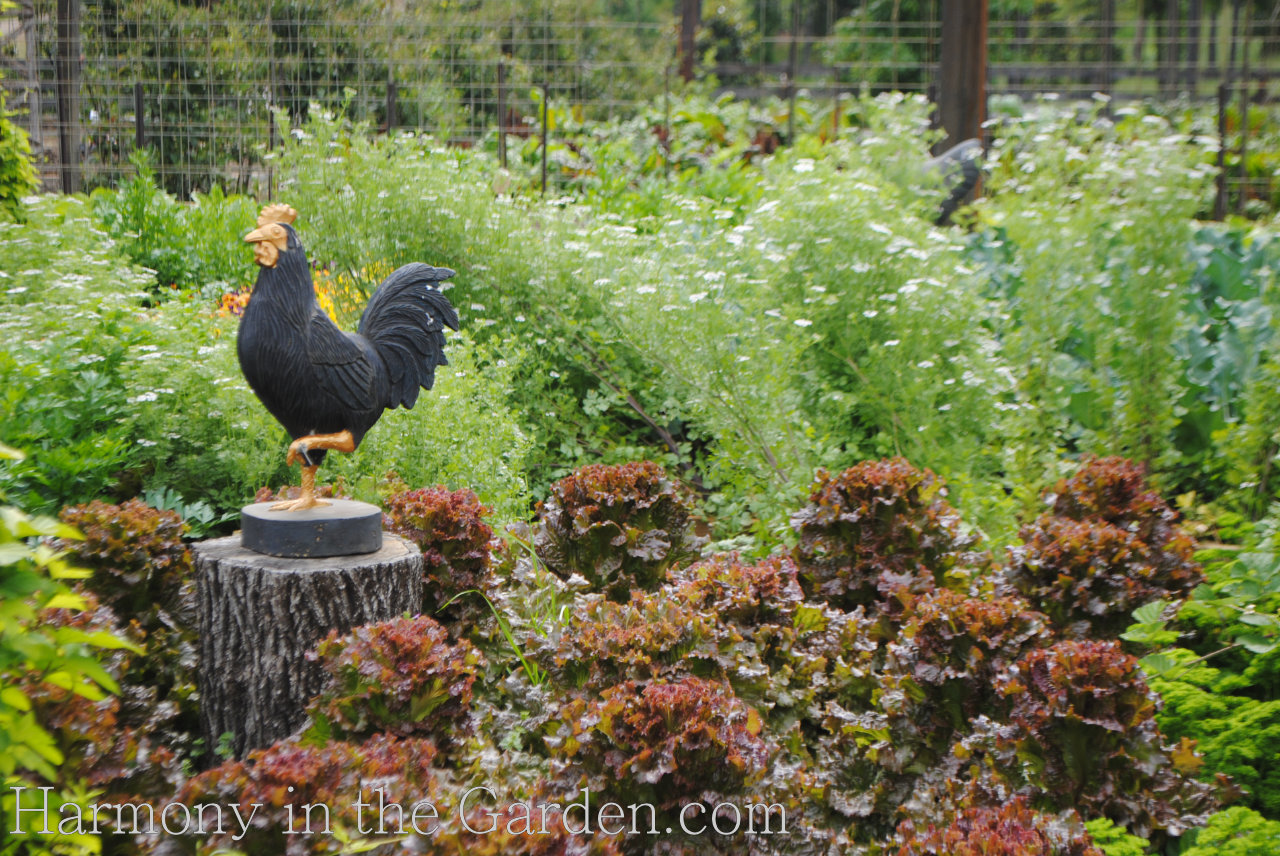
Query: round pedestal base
[344, 528]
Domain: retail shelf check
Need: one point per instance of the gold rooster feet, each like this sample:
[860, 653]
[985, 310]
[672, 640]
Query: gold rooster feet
[298, 449]
[308, 499]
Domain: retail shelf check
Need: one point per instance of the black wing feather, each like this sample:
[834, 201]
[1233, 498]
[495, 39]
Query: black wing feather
[343, 369]
[405, 322]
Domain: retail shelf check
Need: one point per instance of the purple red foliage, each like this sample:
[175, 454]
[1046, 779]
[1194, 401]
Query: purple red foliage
[1011, 829]
[1109, 546]
[399, 677]
[288, 776]
[876, 529]
[619, 527]
[140, 589]
[136, 554]
[946, 659]
[448, 526]
[1083, 735]
[664, 744]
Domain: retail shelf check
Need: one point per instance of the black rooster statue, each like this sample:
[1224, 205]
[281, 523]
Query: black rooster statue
[325, 386]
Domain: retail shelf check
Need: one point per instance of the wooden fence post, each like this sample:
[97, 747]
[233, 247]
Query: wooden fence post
[67, 64]
[1243, 198]
[690, 17]
[502, 113]
[27, 19]
[1220, 200]
[392, 118]
[793, 69]
[139, 117]
[962, 70]
[546, 97]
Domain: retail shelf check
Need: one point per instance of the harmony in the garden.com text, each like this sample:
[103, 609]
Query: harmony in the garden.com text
[378, 816]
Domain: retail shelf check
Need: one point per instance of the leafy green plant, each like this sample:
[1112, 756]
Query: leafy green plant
[40, 659]
[1216, 665]
[686, 351]
[18, 176]
[1237, 831]
[189, 247]
[1113, 840]
[1095, 314]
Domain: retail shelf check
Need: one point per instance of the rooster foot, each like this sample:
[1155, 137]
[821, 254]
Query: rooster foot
[308, 499]
[302, 503]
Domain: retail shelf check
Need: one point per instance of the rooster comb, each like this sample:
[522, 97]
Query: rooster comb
[277, 213]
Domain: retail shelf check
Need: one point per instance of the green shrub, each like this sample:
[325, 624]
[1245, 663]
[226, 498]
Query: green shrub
[1236, 832]
[189, 247]
[1113, 840]
[463, 433]
[1227, 342]
[55, 700]
[68, 305]
[1094, 328]
[1237, 735]
[18, 176]
[1220, 683]
[685, 348]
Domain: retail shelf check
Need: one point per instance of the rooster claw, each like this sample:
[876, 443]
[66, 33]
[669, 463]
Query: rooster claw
[300, 504]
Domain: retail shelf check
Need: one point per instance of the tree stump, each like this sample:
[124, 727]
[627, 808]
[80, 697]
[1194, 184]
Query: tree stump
[260, 615]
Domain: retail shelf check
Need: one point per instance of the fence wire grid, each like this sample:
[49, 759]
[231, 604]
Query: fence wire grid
[198, 86]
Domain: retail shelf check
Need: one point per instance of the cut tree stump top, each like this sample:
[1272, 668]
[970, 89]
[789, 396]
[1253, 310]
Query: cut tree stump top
[230, 549]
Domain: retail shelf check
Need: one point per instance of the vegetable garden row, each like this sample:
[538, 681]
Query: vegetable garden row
[746, 485]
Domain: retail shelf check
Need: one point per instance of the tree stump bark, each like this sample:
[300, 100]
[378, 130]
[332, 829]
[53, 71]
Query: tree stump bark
[260, 615]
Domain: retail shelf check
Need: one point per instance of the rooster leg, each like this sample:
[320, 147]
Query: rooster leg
[308, 498]
[340, 442]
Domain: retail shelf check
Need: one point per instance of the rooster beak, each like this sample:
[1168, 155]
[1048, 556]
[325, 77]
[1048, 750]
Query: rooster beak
[269, 242]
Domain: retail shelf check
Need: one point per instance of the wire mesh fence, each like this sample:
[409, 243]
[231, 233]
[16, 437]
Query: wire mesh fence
[198, 86]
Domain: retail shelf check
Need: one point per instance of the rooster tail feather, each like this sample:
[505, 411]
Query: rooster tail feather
[405, 322]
